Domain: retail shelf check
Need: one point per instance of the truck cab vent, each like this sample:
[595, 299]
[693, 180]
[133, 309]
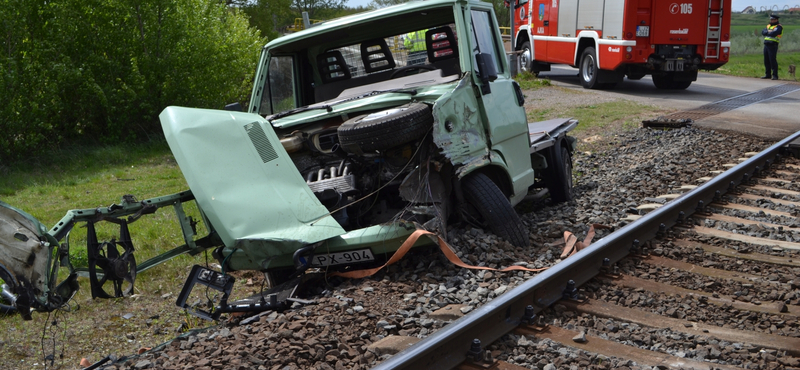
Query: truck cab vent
[260, 141]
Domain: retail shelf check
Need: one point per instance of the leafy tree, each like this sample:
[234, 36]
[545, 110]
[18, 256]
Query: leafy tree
[269, 16]
[385, 3]
[318, 9]
[102, 70]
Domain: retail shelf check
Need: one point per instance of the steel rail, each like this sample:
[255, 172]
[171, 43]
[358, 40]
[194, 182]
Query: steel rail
[449, 346]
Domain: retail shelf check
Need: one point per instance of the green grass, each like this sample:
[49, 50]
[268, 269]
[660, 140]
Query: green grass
[597, 117]
[98, 177]
[747, 45]
[752, 65]
[528, 81]
[742, 44]
[739, 19]
[755, 30]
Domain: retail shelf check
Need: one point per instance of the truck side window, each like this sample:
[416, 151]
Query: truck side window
[483, 37]
[279, 94]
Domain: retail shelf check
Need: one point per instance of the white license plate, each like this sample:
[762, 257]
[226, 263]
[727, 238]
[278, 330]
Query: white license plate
[673, 65]
[642, 31]
[342, 258]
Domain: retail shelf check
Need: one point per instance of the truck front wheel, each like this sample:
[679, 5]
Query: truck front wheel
[558, 175]
[588, 69]
[494, 209]
[526, 58]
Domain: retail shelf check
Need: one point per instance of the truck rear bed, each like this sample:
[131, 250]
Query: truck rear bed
[544, 134]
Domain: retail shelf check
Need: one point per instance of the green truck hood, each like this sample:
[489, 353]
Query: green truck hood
[244, 180]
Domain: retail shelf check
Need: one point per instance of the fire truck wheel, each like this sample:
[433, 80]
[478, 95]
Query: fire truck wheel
[662, 81]
[494, 210]
[681, 85]
[385, 129]
[588, 70]
[526, 58]
[666, 81]
[558, 175]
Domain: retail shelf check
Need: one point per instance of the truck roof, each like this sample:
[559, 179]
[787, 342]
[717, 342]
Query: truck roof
[366, 17]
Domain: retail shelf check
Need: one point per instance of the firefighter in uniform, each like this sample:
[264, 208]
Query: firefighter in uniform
[772, 37]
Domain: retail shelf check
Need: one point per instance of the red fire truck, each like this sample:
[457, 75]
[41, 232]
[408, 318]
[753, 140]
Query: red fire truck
[609, 39]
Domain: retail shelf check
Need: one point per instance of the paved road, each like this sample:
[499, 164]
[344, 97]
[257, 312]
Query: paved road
[775, 118]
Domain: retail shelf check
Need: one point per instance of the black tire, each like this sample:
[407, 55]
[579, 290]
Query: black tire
[558, 175]
[526, 58]
[495, 209]
[666, 81]
[385, 129]
[681, 85]
[662, 81]
[588, 69]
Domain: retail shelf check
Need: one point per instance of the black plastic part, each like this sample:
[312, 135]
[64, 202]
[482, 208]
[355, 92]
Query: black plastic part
[487, 71]
[518, 93]
[107, 263]
[211, 279]
[475, 351]
[529, 317]
[570, 292]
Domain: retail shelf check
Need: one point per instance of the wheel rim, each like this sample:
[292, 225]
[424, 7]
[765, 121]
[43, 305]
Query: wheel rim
[381, 114]
[588, 68]
[525, 59]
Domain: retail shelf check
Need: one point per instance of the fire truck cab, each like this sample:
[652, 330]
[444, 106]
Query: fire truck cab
[608, 40]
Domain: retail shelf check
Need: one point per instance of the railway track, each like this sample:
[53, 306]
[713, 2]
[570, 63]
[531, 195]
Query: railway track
[706, 279]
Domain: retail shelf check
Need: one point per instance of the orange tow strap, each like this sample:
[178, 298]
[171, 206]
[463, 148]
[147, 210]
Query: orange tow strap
[572, 246]
[446, 249]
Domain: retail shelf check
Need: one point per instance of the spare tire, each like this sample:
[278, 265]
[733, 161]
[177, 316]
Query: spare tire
[385, 129]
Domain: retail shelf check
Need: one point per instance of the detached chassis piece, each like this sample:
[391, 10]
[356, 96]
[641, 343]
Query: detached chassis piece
[31, 256]
[359, 131]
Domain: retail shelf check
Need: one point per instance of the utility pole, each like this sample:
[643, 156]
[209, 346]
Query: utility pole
[512, 58]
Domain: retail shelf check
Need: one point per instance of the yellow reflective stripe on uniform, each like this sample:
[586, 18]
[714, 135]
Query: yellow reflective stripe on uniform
[415, 41]
[773, 39]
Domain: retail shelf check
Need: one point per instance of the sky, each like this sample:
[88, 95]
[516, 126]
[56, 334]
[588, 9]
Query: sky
[738, 5]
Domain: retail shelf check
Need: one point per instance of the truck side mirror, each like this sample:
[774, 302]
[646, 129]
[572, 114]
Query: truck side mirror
[486, 70]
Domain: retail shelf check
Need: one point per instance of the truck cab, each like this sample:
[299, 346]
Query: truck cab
[351, 136]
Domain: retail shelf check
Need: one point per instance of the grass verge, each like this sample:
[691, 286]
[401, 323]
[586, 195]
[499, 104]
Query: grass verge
[752, 65]
[86, 178]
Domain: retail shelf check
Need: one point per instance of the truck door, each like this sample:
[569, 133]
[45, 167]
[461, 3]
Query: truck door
[540, 27]
[500, 105]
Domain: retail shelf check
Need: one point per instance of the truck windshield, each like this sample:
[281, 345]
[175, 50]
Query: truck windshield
[314, 71]
[279, 94]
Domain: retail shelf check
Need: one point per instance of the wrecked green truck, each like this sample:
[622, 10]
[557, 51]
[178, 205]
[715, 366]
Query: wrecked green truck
[359, 131]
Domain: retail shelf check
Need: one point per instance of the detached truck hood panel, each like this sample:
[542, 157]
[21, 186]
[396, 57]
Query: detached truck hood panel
[244, 180]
